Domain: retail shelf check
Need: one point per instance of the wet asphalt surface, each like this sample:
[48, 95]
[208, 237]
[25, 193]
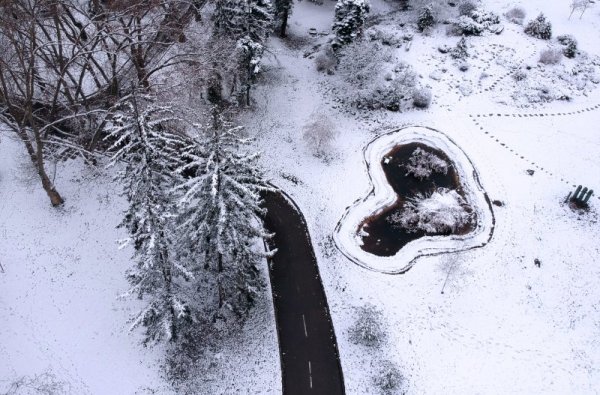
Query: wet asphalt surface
[308, 349]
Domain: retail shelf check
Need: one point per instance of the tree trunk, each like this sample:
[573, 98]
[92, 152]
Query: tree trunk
[284, 21]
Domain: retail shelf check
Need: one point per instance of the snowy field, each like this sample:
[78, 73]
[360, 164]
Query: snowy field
[502, 325]
[63, 325]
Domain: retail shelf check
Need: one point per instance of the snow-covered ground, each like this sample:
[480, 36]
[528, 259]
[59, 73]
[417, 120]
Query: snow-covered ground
[502, 325]
[63, 325]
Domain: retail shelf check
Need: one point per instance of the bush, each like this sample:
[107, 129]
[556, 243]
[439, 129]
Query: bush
[426, 19]
[388, 379]
[466, 26]
[349, 20]
[326, 61]
[540, 27]
[395, 96]
[460, 51]
[570, 45]
[475, 23]
[519, 75]
[361, 63]
[368, 330]
[422, 98]
[466, 7]
[442, 212]
[551, 56]
[516, 15]
[319, 134]
[422, 164]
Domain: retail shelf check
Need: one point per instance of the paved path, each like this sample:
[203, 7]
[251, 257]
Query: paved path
[309, 357]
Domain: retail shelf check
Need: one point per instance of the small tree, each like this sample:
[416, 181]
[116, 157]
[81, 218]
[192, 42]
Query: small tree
[219, 217]
[283, 9]
[319, 134]
[368, 329]
[389, 379]
[143, 140]
[349, 21]
[579, 5]
[540, 27]
[425, 20]
[461, 50]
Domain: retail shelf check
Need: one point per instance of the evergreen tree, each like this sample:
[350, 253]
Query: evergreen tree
[219, 217]
[426, 19]
[142, 141]
[283, 9]
[237, 19]
[348, 21]
[540, 27]
[248, 23]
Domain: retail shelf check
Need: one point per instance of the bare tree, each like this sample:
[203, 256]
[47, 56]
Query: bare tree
[319, 134]
[579, 5]
[62, 66]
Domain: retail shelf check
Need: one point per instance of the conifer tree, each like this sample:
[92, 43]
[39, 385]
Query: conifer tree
[283, 9]
[348, 21]
[219, 216]
[244, 18]
[143, 141]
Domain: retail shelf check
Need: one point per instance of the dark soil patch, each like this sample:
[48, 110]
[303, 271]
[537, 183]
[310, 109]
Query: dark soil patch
[385, 239]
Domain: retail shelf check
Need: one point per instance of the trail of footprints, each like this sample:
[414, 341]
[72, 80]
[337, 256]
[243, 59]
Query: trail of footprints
[474, 118]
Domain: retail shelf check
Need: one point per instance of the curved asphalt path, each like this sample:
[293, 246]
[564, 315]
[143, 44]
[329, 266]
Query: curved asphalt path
[310, 361]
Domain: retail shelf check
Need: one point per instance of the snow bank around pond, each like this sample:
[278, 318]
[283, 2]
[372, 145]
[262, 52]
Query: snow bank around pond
[381, 195]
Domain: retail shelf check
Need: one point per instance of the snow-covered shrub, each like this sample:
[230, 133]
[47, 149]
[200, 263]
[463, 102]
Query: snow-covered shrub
[45, 383]
[349, 20]
[422, 97]
[460, 51]
[422, 164]
[570, 45]
[466, 7]
[516, 15]
[443, 211]
[425, 21]
[361, 62]
[319, 134]
[551, 56]
[539, 27]
[466, 26]
[394, 95]
[475, 23]
[384, 37]
[368, 328]
[485, 18]
[326, 61]
[388, 380]
[519, 75]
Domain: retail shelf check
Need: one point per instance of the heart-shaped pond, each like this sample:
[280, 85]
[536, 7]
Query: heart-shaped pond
[426, 199]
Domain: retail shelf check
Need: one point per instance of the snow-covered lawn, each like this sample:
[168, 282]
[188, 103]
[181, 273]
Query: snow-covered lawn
[502, 325]
[62, 321]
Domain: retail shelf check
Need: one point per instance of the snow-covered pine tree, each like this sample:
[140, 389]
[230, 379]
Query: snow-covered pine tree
[348, 21]
[425, 20]
[244, 18]
[143, 141]
[539, 27]
[247, 23]
[219, 217]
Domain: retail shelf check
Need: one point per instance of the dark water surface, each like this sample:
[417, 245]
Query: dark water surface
[385, 239]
